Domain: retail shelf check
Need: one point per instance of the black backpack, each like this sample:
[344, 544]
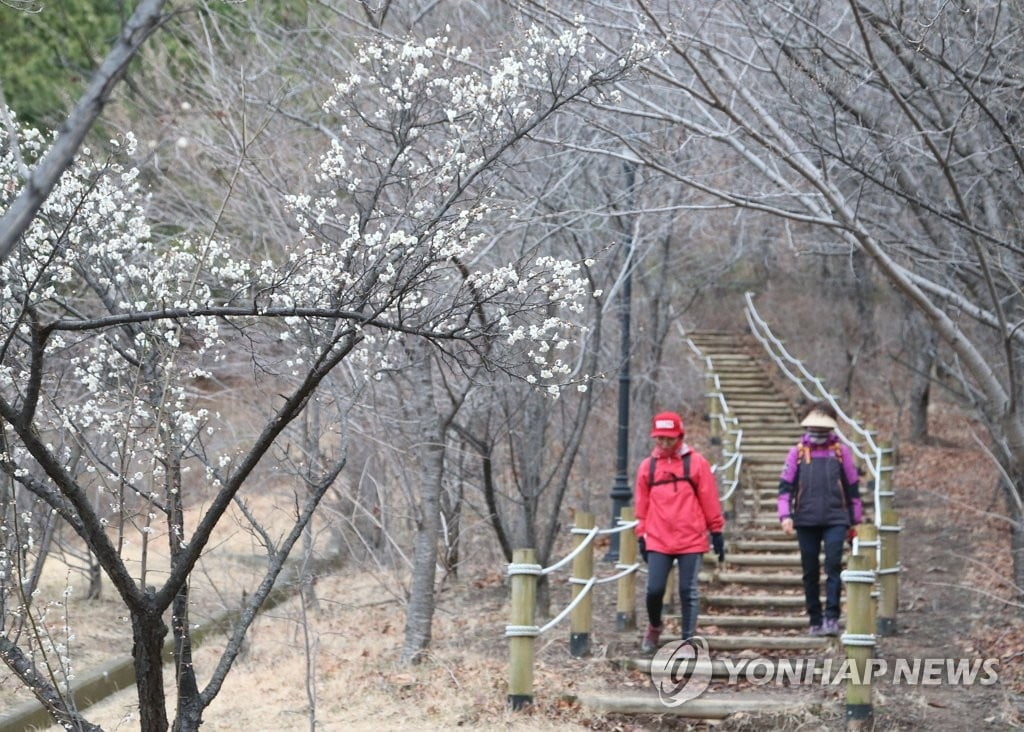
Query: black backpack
[686, 473]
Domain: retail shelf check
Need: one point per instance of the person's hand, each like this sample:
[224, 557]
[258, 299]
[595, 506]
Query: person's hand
[718, 542]
[787, 526]
[851, 534]
[643, 548]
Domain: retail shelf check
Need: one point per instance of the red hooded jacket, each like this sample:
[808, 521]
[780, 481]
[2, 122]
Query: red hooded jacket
[675, 517]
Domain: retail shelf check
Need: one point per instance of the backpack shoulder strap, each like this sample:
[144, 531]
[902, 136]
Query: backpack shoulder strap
[803, 453]
[838, 449]
[686, 472]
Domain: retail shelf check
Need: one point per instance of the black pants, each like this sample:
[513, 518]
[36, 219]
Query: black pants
[810, 539]
[658, 567]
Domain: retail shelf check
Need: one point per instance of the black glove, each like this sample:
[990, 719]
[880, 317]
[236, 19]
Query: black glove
[719, 544]
[643, 549]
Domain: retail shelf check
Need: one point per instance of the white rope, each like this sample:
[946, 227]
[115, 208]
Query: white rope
[873, 457]
[622, 526]
[860, 576]
[521, 631]
[514, 568]
[857, 639]
[591, 533]
[569, 608]
[626, 569]
[724, 418]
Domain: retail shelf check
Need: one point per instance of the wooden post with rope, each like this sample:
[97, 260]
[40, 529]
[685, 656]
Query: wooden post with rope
[582, 571]
[888, 570]
[625, 611]
[714, 410]
[859, 642]
[523, 572]
[867, 546]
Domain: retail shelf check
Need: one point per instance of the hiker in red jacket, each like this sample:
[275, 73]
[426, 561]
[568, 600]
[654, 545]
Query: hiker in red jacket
[819, 499]
[676, 505]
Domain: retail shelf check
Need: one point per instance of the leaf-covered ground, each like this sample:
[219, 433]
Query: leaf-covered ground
[335, 666]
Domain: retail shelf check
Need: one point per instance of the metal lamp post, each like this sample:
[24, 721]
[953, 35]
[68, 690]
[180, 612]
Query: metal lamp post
[621, 493]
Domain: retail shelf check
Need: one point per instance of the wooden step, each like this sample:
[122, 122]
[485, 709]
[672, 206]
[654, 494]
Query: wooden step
[707, 706]
[723, 599]
[758, 578]
[768, 642]
[763, 560]
[754, 621]
[767, 545]
[723, 669]
[761, 533]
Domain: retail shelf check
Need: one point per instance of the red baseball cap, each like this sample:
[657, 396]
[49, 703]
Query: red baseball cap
[667, 424]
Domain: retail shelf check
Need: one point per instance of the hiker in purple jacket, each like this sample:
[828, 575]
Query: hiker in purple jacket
[820, 500]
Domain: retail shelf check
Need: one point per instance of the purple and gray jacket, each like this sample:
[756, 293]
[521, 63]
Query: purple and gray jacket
[818, 486]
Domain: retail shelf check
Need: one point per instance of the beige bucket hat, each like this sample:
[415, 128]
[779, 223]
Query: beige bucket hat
[819, 420]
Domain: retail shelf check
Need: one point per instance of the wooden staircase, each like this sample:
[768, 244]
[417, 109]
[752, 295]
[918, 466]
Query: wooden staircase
[752, 606]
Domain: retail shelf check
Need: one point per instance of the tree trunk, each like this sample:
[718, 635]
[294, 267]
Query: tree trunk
[1012, 491]
[452, 508]
[419, 615]
[190, 707]
[148, 633]
[311, 446]
[925, 352]
[95, 578]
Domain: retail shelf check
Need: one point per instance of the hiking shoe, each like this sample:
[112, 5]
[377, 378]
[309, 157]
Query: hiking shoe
[831, 626]
[651, 638]
[816, 631]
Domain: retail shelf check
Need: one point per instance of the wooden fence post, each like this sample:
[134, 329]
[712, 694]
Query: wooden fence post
[582, 570]
[885, 477]
[733, 434]
[867, 546]
[714, 428]
[523, 572]
[859, 642]
[888, 570]
[625, 615]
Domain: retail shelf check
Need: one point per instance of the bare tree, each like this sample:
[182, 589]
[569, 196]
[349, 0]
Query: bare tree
[892, 131]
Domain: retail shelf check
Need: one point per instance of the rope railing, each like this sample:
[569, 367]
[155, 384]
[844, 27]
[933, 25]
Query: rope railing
[723, 424]
[880, 462]
[873, 455]
[524, 573]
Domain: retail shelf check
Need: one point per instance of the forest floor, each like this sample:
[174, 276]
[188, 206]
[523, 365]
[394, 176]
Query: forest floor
[333, 668]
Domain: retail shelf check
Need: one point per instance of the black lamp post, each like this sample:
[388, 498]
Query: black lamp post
[621, 493]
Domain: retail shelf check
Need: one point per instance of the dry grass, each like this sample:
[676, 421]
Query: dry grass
[345, 650]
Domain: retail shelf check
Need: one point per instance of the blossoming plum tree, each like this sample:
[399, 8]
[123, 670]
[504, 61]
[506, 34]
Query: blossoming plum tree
[109, 326]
